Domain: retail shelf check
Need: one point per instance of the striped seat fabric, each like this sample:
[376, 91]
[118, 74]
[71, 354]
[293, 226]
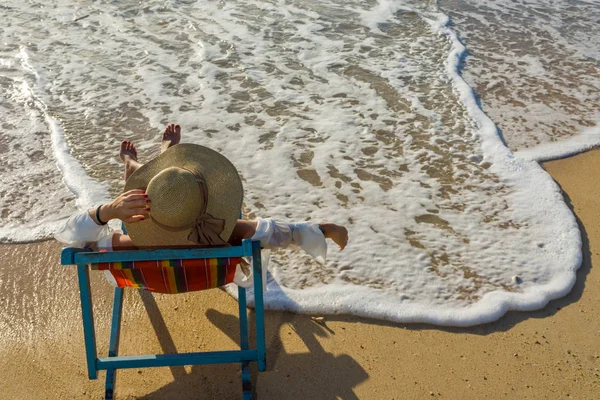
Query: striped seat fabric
[173, 276]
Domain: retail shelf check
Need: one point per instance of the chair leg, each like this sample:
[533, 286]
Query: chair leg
[87, 314]
[113, 347]
[246, 380]
[259, 307]
[109, 392]
[243, 318]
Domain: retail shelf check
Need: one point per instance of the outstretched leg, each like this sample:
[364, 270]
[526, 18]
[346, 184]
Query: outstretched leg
[171, 137]
[128, 154]
[244, 229]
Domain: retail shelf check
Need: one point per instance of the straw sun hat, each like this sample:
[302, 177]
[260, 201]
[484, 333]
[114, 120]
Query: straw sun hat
[196, 196]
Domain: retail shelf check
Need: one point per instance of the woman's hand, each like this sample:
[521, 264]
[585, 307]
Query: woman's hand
[131, 206]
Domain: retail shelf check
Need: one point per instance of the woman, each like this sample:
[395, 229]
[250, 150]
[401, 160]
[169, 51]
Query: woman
[189, 196]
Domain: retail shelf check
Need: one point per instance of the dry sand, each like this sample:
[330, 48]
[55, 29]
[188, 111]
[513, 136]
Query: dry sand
[553, 353]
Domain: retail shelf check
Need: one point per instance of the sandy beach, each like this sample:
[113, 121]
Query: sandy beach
[553, 353]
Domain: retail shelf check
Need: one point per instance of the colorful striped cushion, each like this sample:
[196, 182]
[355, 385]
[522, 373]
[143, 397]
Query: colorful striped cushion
[173, 276]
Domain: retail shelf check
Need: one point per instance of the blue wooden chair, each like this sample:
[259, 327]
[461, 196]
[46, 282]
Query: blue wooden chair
[84, 258]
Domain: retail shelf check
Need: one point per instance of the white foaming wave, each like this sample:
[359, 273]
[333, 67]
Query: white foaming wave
[322, 117]
[383, 12]
[87, 191]
[588, 139]
[556, 230]
[536, 190]
[566, 29]
[534, 66]
[368, 214]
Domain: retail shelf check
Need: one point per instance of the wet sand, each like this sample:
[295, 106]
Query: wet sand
[553, 353]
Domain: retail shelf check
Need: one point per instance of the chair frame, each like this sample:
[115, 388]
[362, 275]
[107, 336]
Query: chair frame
[83, 257]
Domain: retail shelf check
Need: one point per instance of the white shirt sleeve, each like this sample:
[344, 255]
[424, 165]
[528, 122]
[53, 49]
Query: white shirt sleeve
[80, 229]
[273, 234]
[306, 235]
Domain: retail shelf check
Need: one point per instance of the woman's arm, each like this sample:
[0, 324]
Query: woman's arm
[122, 242]
[131, 206]
[84, 228]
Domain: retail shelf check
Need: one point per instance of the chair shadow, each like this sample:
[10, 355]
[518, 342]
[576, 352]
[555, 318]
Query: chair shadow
[314, 373]
[290, 376]
[201, 383]
[160, 328]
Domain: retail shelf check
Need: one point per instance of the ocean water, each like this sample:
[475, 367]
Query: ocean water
[416, 124]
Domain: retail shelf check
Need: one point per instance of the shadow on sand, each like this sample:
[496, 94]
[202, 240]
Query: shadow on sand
[315, 373]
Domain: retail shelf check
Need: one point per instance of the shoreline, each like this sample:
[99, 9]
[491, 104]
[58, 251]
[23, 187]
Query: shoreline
[544, 354]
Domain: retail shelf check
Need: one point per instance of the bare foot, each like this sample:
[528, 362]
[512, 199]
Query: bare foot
[127, 151]
[128, 154]
[337, 233]
[171, 137]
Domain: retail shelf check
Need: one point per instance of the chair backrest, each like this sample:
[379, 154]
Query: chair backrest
[167, 270]
[172, 276]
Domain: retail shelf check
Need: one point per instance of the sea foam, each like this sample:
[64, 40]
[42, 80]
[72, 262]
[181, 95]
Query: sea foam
[352, 112]
[534, 67]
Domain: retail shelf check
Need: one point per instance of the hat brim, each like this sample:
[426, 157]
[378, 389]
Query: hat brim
[224, 186]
